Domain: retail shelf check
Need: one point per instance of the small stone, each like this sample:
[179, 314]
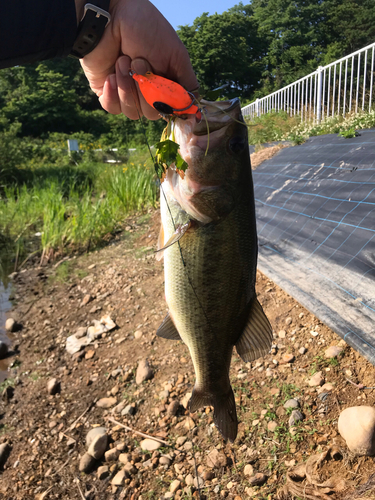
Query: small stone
[150, 445]
[333, 351]
[111, 455]
[97, 441]
[326, 388]
[5, 450]
[282, 334]
[53, 386]
[248, 470]
[173, 407]
[144, 372]
[255, 422]
[316, 380]
[124, 458]
[181, 440]
[102, 472]
[258, 479]
[138, 334]
[106, 402]
[288, 321]
[314, 333]
[208, 475]
[275, 392]
[165, 461]
[86, 463]
[287, 358]
[115, 390]
[189, 480]
[357, 426]
[216, 459]
[291, 463]
[175, 485]
[128, 410]
[11, 325]
[198, 482]
[272, 426]
[90, 354]
[296, 416]
[130, 469]
[120, 477]
[86, 299]
[81, 332]
[280, 412]
[291, 403]
[302, 350]
[3, 349]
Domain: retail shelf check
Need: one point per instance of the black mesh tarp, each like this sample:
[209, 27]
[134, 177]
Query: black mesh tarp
[315, 208]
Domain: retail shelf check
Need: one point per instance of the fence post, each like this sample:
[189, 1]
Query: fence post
[319, 94]
[257, 107]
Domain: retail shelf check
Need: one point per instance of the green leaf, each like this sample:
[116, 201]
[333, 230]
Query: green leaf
[168, 151]
[181, 163]
[214, 94]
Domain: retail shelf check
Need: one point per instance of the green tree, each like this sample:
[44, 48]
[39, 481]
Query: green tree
[226, 49]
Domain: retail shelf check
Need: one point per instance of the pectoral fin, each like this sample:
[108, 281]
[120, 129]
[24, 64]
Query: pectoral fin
[159, 255]
[167, 330]
[256, 339]
[176, 236]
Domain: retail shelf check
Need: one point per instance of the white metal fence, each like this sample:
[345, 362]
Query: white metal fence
[341, 87]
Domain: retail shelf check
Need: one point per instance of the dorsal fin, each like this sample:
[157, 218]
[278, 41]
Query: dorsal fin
[167, 330]
[256, 339]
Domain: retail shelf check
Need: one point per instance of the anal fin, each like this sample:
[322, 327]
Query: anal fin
[256, 338]
[167, 330]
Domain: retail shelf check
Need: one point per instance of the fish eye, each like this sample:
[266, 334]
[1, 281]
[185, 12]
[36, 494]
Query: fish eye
[237, 144]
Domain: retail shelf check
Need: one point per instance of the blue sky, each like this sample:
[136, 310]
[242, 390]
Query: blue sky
[184, 12]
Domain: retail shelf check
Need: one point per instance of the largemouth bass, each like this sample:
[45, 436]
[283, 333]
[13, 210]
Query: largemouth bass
[210, 256]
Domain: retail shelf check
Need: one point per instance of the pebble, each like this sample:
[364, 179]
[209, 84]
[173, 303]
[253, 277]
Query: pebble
[302, 350]
[53, 386]
[288, 321]
[181, 440]
[208, 475]
[287, 358]
[138, 334]
[189, 480]
[11, 325]
[90, 354]
[173, 407]
[258, 479]
[128, 410]
[296, 416]
[291, 403]
[130, 468]
[248, 470]
[357, 427]
[81, 332]
[333, 351]
[5, 450]
[198, 482]
[175, 485]
[3, 349]
[275, 392]
[316, 380]
[282, 334]
[144, 372]
[216, 459]
[102, 472]
[106, 402]
[272, 426]
[86, 463]
[86, 299]
[111, 455]
[119, 478]
[96, 442]
[165, 461]
[124, 458]
[150, 445]
[326, 388]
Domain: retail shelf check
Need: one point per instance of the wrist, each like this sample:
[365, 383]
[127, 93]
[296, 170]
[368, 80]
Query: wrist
[79, 9]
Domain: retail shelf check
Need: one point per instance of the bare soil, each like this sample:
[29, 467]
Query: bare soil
[47, 433]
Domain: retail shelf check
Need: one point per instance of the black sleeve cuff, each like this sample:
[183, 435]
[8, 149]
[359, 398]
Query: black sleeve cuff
[33, 30]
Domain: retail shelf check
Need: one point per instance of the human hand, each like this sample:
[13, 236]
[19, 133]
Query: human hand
[138, 38]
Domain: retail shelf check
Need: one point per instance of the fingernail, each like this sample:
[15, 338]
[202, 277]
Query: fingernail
[123, 65]
[113, 81]
[141, 66]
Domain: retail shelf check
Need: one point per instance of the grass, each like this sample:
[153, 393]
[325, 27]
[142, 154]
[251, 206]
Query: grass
[283, 127]
[49, 212]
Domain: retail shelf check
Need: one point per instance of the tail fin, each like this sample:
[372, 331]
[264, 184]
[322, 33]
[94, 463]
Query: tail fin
[225, 416]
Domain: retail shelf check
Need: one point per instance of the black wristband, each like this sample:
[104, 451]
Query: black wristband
[91, 28]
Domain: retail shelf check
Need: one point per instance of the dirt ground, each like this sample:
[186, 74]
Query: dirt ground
[47, 433]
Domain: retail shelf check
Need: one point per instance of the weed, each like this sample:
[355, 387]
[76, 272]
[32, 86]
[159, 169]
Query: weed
[9, 382]
[348, 134]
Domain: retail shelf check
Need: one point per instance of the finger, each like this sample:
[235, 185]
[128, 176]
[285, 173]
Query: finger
[109, 99]
[127, 90]
[141, 66]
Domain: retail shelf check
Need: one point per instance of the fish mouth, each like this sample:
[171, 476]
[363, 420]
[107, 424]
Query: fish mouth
[216, 115]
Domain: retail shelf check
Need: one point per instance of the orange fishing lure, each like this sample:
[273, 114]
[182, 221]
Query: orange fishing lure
[167, 97]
